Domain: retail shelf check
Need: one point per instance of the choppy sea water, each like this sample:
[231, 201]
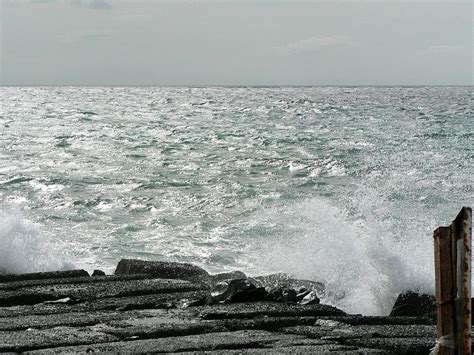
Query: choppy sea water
[339, 185]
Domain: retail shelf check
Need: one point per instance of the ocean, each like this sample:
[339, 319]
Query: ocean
[342, 185]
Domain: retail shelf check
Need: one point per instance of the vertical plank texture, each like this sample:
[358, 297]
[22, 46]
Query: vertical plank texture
[452, 251]
[444, 286]
[461, 230]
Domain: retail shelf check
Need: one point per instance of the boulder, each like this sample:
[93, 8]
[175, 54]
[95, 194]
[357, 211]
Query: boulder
[228, 276]
[238, 290]
[98, 273]
[413, 304]
[163, 270]
[281, 295]
[292, 296]
[284, 281]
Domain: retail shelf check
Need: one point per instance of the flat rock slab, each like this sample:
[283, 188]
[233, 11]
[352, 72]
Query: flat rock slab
[43, 275]
[400, 346]
[163, 328]
[72, 312]
[66, 319]
[343, 331]
[388, 331]
[380, 320]
[14, 285]
[92, 291]
[272, 309]
[264, 322]
[204, 342]
[19, 341]
[332, 349]
[176, 323]
[153, 301]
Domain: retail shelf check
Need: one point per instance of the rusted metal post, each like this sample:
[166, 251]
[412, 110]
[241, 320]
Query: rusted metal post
[453, 284]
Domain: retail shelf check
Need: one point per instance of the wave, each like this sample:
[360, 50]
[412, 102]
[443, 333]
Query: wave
[25, 248]
[363, 261]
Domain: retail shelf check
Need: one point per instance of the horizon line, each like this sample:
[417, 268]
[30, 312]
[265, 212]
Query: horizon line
[235, 86]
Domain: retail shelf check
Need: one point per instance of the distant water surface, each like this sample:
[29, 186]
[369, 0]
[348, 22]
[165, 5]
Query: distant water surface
[340, 185]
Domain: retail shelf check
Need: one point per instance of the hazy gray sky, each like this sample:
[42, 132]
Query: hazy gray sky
[261, 42]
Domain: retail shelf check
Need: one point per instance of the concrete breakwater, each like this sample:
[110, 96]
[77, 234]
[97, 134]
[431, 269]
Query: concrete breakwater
[175, 307]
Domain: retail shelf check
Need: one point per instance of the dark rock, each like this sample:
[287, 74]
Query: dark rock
[98, 273]
[289, 295]
[171, 326]
[213, 342]
[399, 346]
[274, 295]
[43, 275]
[269, 309]
[239, 290]
[150, 301]
[357, 320]
[144, 313]
[72, 319]
[413, 304]
[253, 295]
[95, 290]
[20, 341]
[264, 323]
[14, 285]
[284, 281]
[163, 326]
[281, 295]
[162, 269]
[228, 276]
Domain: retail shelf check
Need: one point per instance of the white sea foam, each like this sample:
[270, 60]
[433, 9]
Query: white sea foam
[25, 249]
[363, 264]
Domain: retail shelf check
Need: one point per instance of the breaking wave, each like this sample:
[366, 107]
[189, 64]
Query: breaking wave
[363, 264]
[25, 248]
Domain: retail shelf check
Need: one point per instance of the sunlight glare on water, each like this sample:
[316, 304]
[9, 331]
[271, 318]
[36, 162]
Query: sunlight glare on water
[339, 185]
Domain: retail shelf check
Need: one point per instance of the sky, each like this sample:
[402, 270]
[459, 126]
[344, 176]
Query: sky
[236, 42]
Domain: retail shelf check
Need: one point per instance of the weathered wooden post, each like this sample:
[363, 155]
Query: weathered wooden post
[444, 290]
[453, 284]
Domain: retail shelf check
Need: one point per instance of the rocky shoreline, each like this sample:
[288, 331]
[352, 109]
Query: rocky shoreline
[175, 307]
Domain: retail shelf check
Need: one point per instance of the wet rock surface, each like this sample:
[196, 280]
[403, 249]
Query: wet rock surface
[43, 275]
[233, 275]
[237, 290]
[284, 281]
[141, 309]
[98, 273]
[162, 269]
[414, 304]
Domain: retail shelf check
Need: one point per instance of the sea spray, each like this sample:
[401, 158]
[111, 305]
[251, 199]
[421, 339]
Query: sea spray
[363, 269]
[24, 248]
